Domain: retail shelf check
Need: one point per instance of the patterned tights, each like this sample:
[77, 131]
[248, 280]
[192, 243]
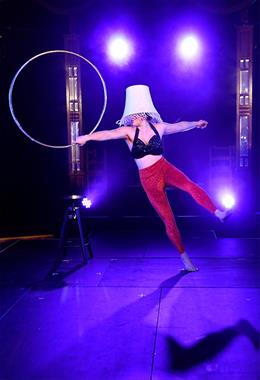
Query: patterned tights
[154, 179]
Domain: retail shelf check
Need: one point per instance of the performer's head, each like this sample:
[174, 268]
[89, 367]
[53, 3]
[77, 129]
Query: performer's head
[139, 107]
[134, 120]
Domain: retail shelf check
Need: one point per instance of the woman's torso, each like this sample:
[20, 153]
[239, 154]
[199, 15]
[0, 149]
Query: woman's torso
[145, 135]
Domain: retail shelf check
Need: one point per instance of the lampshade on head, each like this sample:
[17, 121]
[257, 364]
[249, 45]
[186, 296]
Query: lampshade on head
[138, 103]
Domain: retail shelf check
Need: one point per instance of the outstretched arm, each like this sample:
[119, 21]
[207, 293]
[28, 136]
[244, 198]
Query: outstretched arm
[183, 126]
[118, 133]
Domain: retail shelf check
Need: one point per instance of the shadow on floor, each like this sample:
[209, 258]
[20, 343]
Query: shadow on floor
[183, 358]
[55, 278]
[107, 348]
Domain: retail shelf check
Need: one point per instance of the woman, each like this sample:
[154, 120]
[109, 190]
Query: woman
[142, 129]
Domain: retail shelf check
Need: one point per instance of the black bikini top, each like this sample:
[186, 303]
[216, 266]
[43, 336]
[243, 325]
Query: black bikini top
[154, 146]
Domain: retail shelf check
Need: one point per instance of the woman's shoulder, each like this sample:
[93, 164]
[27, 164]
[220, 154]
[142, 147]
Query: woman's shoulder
[160, 127]
[129, 131]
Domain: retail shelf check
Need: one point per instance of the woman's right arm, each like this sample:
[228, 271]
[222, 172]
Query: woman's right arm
[118, 133]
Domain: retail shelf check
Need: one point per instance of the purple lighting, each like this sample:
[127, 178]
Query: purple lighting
[189, 47]
[119, 49]
[86, 202]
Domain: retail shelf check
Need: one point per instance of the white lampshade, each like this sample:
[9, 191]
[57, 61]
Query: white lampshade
[138, 100]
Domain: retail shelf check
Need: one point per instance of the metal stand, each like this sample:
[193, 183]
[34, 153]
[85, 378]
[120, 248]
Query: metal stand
[72, 213]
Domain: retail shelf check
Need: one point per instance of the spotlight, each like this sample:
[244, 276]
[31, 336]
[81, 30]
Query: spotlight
[228, 201]
[189, 47]
[86, 202]
[119, 49]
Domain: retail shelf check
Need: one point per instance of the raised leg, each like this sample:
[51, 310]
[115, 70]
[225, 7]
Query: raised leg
[175, 177]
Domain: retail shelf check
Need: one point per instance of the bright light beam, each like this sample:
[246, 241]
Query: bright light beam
[228, 201]
[86, 202]
[189, 48]
[119, 50]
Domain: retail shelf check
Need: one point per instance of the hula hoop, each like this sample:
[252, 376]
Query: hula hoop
[10, 96]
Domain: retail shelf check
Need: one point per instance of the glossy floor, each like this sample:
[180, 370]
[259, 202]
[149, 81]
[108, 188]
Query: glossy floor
[131, 313]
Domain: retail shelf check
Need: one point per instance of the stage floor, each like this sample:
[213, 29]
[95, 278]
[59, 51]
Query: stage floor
[131, 313]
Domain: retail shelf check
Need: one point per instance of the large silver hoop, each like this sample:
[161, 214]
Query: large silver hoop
[10, 95]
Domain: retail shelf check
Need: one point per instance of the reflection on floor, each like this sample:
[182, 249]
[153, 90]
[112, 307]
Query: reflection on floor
[131, 313]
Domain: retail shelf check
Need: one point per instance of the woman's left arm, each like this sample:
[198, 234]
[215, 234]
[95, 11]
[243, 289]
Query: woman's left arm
[182, 126]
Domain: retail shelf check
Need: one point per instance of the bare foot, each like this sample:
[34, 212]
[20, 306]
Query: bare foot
[223, 215]
[187, 263]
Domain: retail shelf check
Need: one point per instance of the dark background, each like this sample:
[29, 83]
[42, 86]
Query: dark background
[34, 179]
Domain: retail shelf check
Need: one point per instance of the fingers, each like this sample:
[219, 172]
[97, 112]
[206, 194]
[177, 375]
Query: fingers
[80, 140]
[202, 124]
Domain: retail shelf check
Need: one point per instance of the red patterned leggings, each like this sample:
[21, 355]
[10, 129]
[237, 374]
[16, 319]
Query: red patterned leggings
[155, 178]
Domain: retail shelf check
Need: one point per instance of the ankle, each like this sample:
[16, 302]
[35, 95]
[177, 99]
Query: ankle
[222, 215]
[218, 213]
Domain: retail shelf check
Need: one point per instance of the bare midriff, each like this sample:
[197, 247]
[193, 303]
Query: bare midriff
[147, 161]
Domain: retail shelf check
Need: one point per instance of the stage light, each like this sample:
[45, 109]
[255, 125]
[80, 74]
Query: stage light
[119, 49]
[189, 47]
[228, 200]
[86, 202]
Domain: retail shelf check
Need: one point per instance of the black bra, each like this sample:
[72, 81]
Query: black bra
[154, 146]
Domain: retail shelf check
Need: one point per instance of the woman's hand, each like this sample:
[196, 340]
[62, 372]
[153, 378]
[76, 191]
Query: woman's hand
[81, 140]
[201, 124]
